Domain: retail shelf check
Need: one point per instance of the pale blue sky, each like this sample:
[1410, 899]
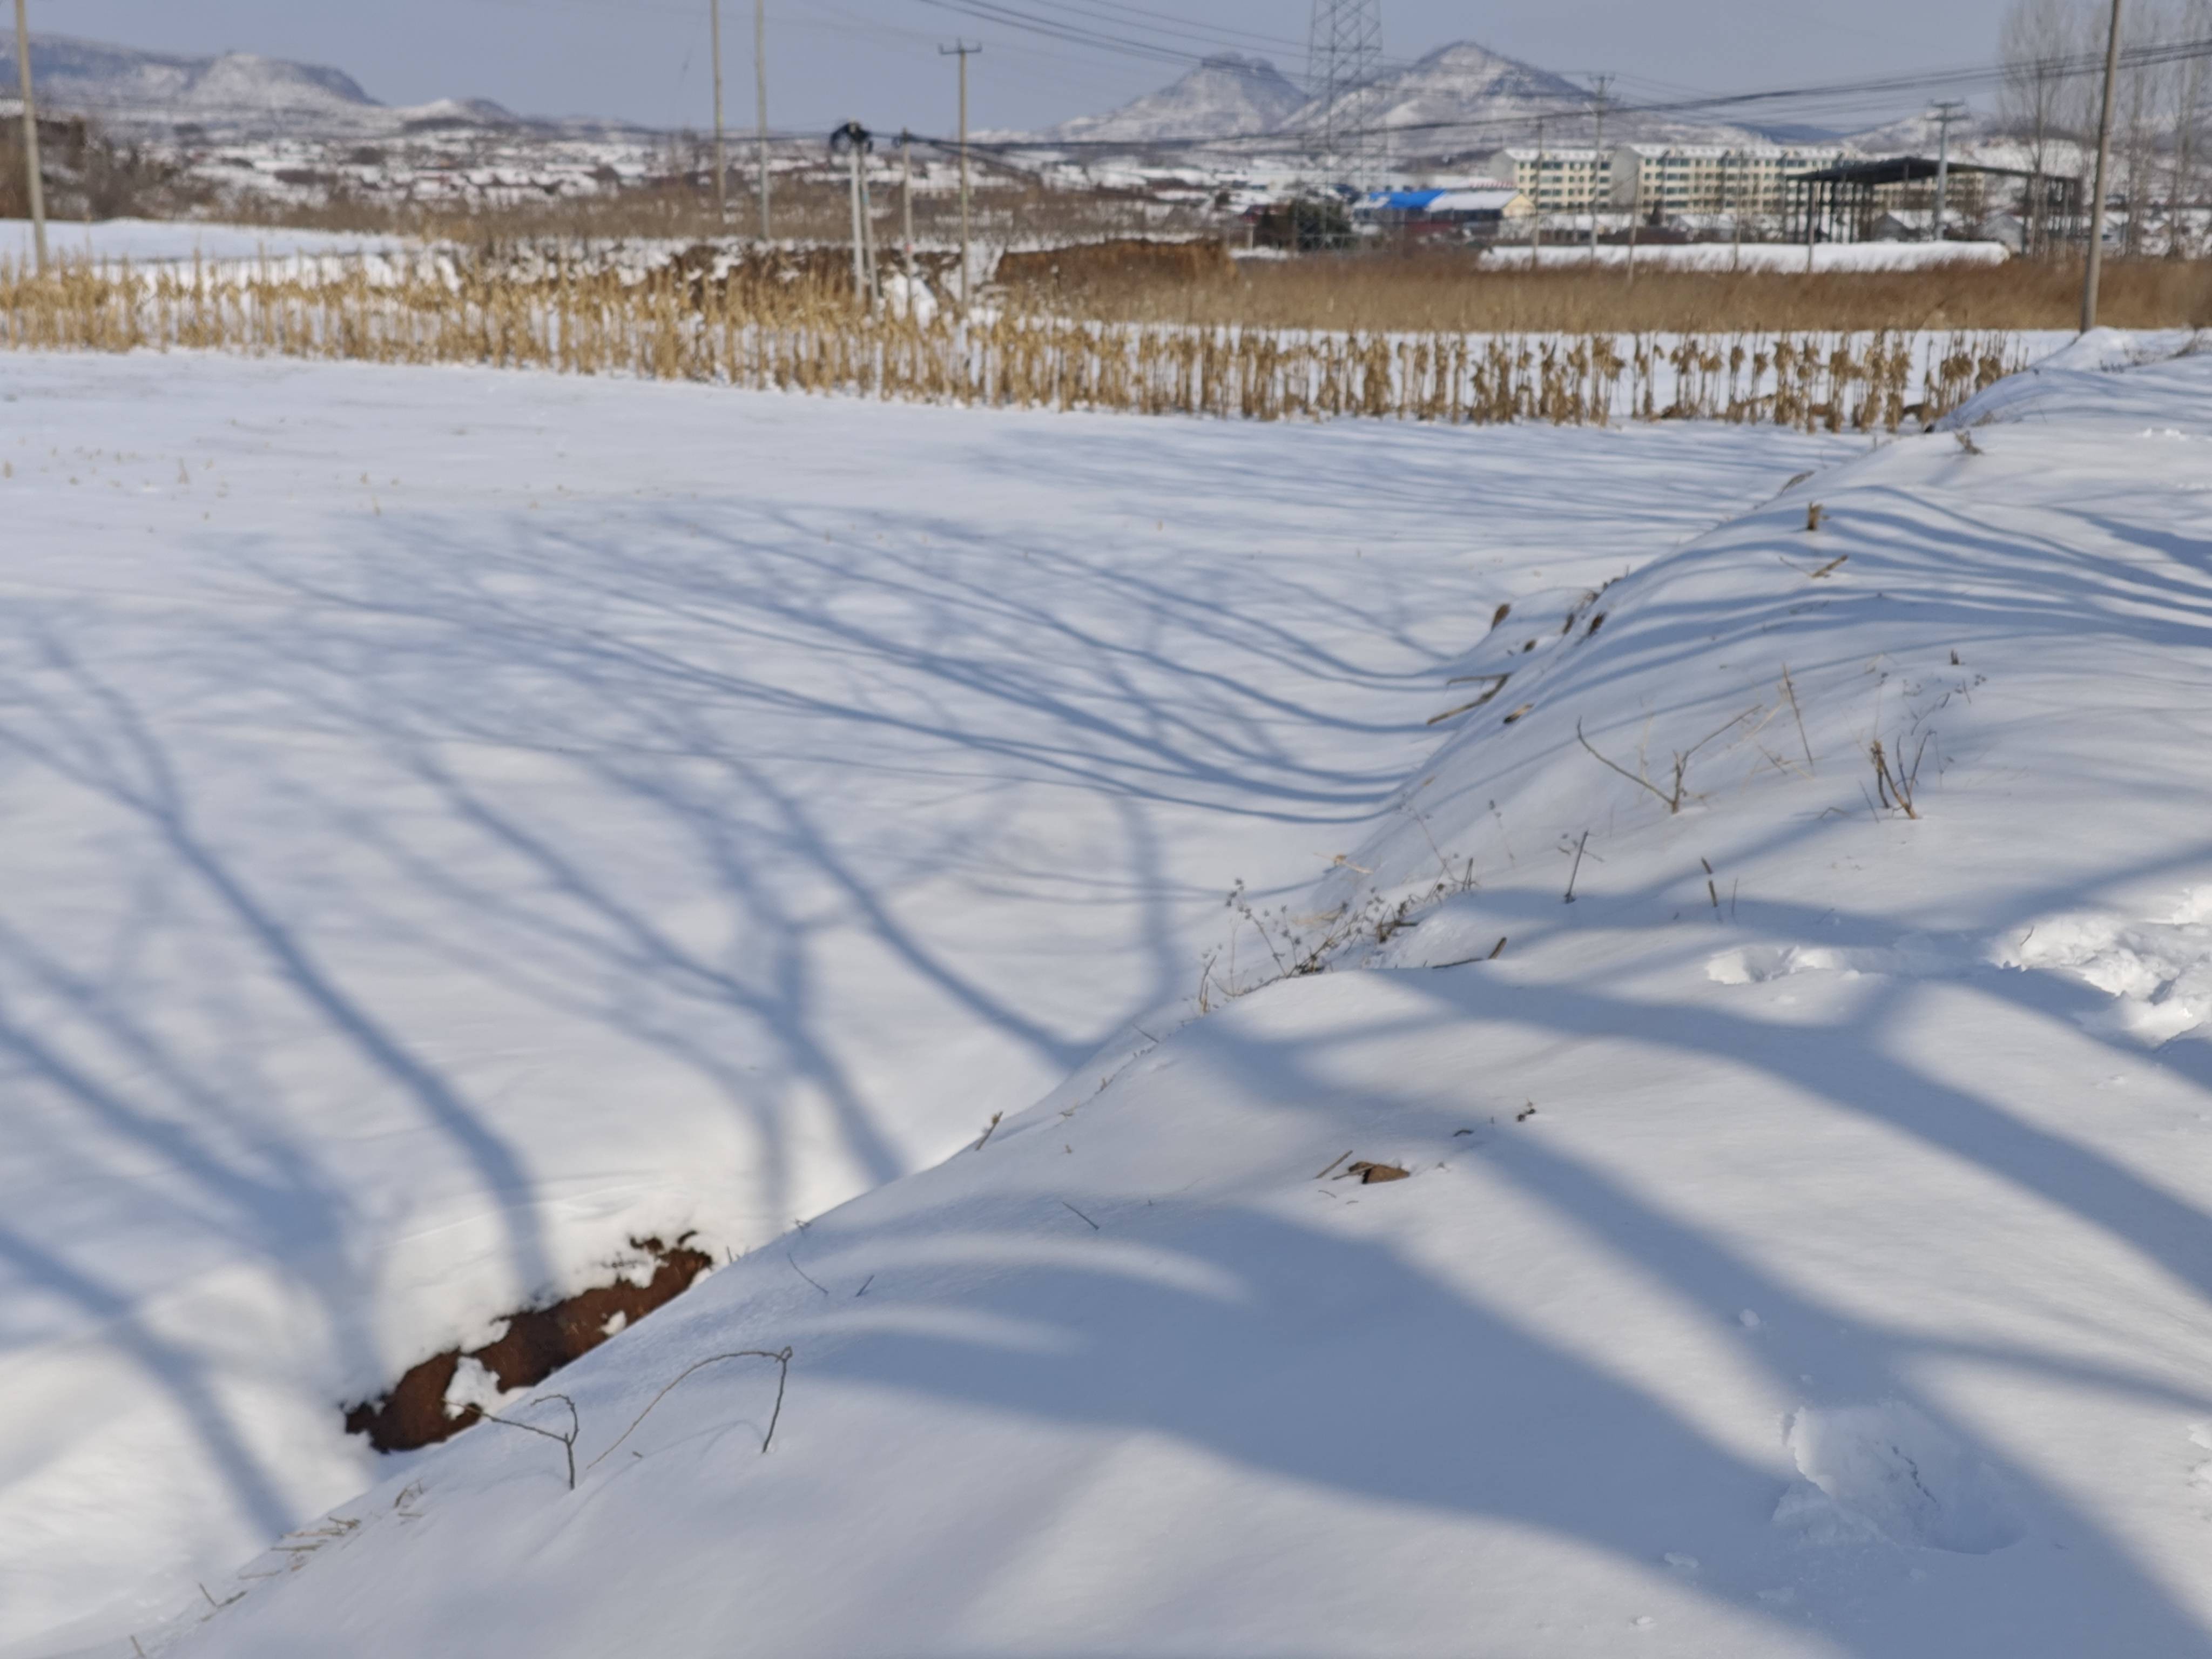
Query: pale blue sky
[648, 60]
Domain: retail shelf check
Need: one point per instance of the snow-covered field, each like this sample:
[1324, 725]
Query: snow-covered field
[1760, 255]
[457, 822]
[180, 241]
[1805, 1246]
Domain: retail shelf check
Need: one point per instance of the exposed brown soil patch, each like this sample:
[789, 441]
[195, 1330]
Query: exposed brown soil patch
[1121, 263]
[537, 1342]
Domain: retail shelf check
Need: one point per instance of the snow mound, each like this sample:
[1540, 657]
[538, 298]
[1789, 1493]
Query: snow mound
[1756, 964]
[1887, 1472]
[2159, 973]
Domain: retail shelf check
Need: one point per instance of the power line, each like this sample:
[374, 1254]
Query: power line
[992, 13]
[1222, 35]
[1177, 29]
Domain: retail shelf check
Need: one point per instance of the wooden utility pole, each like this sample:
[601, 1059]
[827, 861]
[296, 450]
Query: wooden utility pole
[30, 137]
[760, 102]
[2094, 268]
[963, 51]
[721, 156]
[905, 212]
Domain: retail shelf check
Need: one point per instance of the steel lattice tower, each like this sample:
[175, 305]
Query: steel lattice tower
[1343, 61]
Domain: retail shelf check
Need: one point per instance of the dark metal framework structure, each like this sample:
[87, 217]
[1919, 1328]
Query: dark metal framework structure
[1344, 67]
[1841, 204]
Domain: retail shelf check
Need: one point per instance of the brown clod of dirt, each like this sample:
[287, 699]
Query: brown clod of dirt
[537, 1342]
[1368, 1174]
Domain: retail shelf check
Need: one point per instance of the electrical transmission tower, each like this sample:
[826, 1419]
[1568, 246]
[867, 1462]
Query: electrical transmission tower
[1344, 63]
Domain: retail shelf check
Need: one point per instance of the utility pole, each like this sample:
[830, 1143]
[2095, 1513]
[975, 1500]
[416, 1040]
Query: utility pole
[1735, 208]
[30, 137]
[905, 212]
[721, 157]
[760, 102]
[2094, 268]
[1536, 220]
[963, 51]
[1597, 156]
[852, 138]
[870, 269]
[1948, 111]
[1635, 213]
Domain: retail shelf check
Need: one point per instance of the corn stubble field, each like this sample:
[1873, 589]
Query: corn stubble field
[1406, 338]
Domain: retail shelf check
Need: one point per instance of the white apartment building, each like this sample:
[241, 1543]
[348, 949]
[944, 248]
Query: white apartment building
[1562, 181]
[1665, 179]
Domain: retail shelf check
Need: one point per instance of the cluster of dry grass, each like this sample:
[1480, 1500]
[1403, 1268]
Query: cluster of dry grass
[809, 208]
[1449, 292]
[791, 325]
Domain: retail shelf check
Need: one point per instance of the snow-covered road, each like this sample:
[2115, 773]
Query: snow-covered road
[455, 823]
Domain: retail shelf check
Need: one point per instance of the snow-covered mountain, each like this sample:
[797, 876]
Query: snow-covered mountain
[1460, 98]
[237, 93]
[1918, 135]
[1980, 139]
[1227, 95]
[1465, 93]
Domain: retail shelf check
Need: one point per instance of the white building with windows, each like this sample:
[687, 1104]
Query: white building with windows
[1561, 180]
[1664, 181]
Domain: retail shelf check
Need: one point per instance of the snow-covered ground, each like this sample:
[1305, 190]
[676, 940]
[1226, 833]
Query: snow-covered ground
[1805, 1246]
[1762, 256]
[457, 822]
[180, 241]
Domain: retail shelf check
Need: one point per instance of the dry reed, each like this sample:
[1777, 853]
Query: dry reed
[790, 327]
[1449, 292]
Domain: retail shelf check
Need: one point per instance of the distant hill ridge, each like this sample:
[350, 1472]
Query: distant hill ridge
[1460, 97]
[231, 93]
[1228, 95]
